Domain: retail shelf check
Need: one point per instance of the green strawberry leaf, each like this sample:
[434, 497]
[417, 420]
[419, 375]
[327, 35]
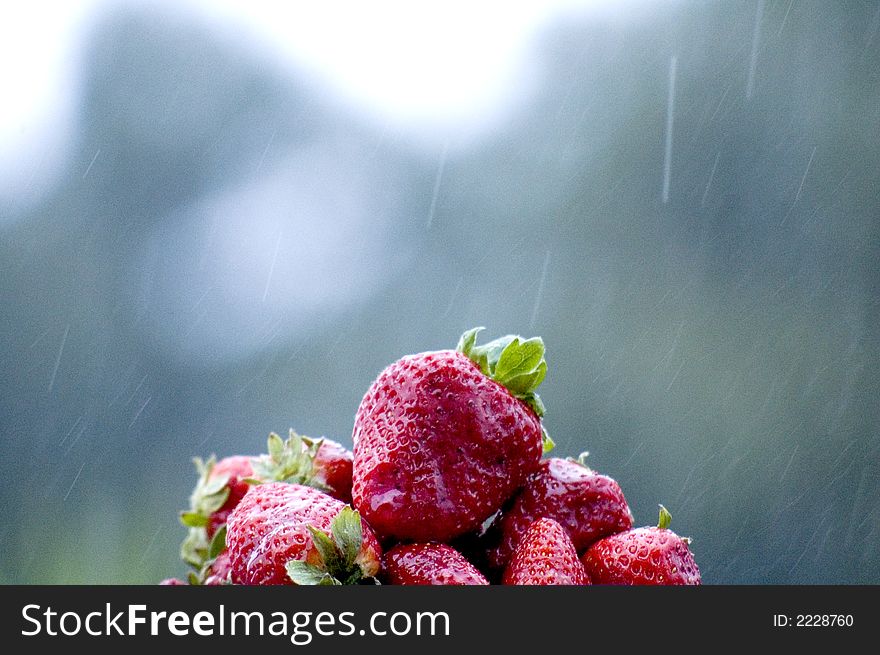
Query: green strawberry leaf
[467, 342]
[215, 486]
[534, 401]
[519, 358]
[218, 543]
[193, 519]
[209, 495]
[327, 550]
[291, 461]
[338, 551]
[194, 549]
[547, 444]
[303, 573]
[275, 446]
[492, 352]
[523, 384]
[516, 363]
[347, 535]
[665, 518]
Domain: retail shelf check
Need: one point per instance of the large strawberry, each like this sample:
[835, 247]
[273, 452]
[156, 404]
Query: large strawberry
[429, 564]
[644, 556]
[588, 505]
[442, 439]
[284, 533]
[545, 556]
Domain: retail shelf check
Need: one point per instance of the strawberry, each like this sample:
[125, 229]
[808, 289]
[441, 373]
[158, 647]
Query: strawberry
[442, 439]
[588, 505]
[429, 564]
[220, 570]
[644, 556]
[545, 556]
[220, 488]
[333, 463]
[215, 571]
[320, 463]
[283, 533]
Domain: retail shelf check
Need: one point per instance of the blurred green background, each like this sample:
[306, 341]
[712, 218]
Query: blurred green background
[209, 234]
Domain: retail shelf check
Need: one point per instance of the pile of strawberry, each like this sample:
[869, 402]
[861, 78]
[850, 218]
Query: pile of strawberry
[447, 485]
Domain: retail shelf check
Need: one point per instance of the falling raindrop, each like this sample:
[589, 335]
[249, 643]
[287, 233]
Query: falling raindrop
[670, 110]
[437, 180]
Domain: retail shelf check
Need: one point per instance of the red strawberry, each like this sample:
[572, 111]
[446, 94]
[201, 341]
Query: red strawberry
[644, 556]
[442, 439]
[333, 461]
[320, 463]
[588, 505]
[220, 488]
[236, 470]
[284, 533]
[220, 570]
[429, 564]
[545, 556]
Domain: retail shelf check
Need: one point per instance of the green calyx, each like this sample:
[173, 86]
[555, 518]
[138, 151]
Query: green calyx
[200, 553]
[209, 495]
[291, 461]
[581, 459]
[337, 554]
[665, 518]
[517, 364]
[194, 549]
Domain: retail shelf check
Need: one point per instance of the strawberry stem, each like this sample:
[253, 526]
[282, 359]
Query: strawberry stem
[665, 518]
